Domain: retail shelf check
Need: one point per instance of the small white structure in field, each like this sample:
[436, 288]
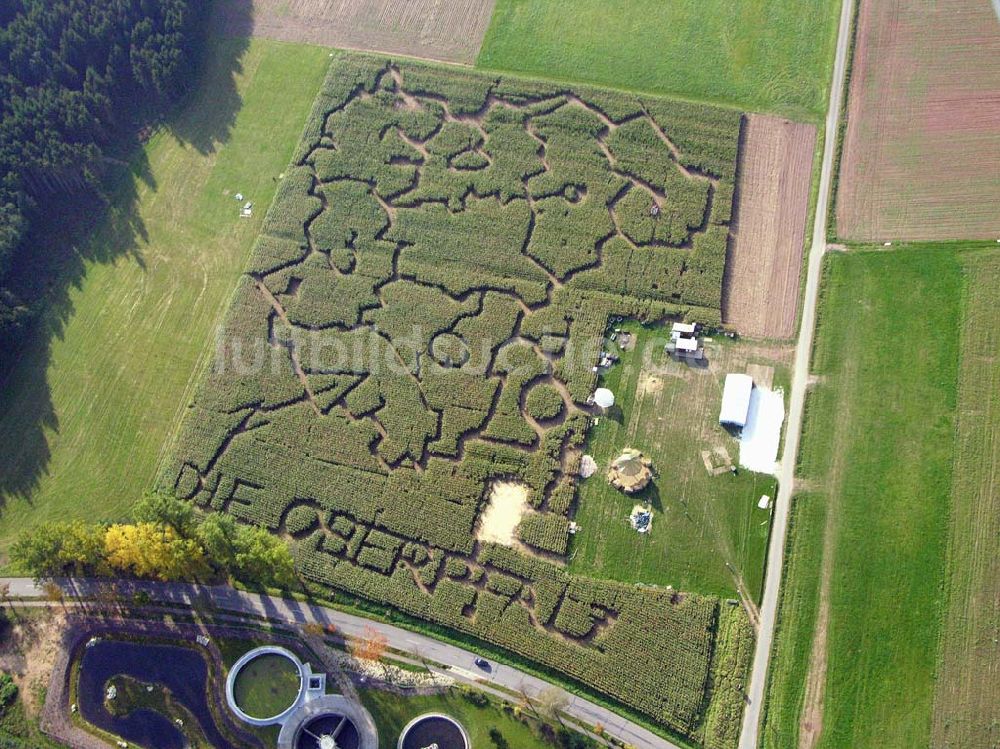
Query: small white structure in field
[588, 466]
[604, 398]
[736, 400]
[684, 341]
[687, 345]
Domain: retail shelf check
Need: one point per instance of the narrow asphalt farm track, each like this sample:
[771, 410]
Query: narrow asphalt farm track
[750, 735]
[460, 662]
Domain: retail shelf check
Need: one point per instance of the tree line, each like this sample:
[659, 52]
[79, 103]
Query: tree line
[166, 540]
[75, 76]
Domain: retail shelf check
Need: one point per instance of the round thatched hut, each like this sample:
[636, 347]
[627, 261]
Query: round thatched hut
[631, 471]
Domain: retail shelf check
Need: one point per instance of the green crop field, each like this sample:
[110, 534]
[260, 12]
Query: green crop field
[420, 323]
[967, 693]
[758, 55]
[867, 554]
[86, 411]
[701, 522]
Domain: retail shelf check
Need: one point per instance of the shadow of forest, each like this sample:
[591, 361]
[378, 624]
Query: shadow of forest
[69, 233]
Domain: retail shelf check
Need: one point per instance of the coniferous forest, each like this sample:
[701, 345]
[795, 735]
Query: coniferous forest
[78, 78]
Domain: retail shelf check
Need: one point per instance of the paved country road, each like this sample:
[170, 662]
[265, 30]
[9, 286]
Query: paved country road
[750, 735]
[290, 611]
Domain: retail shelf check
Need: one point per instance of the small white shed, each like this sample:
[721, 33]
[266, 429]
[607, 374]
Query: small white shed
[736, 400]
[683, 329]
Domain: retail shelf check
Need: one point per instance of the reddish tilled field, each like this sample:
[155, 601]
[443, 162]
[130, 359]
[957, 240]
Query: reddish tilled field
[761, 289]
[449, 30]
[921, 156]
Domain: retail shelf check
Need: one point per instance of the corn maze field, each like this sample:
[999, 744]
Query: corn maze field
[422, 317]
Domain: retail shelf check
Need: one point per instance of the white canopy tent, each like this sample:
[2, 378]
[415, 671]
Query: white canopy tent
[736, 400]
[604, 398]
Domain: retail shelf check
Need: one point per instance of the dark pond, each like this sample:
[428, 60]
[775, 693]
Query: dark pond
[430, 731]
[182, 670]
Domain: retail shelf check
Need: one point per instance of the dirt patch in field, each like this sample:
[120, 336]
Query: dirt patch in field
[30, 650]
[449, 30]
[650, 383]
[761, 288]
[922, 149]
[508, 504]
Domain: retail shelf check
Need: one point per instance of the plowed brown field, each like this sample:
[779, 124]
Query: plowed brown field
[449, 30]
[922, 151]
[761, 289]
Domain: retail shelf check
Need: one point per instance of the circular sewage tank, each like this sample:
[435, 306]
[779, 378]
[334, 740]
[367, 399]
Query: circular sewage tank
[265, 685]
[433, 730]
[329, 731]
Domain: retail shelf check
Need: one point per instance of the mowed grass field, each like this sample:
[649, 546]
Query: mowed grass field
[84, 415]
[701, 522]
[863, 604]
[967, 695]
[760, 55]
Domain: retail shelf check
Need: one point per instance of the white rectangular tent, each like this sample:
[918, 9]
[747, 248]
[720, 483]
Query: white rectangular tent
[736, 400]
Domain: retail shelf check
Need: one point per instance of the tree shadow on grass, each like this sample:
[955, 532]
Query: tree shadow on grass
[70, 233]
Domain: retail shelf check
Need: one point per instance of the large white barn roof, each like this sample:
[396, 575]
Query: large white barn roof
[736, 400]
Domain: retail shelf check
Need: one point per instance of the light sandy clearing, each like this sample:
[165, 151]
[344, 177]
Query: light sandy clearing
[508, 504]
[761, 287]
[449, 30]
[30, 652]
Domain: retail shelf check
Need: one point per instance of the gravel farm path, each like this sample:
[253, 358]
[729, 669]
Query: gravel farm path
[459, 663]
[750, 736]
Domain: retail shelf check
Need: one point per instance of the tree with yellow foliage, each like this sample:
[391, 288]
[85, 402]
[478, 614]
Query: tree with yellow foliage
[153, 550]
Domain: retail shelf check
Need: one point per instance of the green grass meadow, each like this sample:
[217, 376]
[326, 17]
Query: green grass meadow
[392, 712]
[92, 399]
[759, 55]
[700, 522]
[967, 694]
[877, 452]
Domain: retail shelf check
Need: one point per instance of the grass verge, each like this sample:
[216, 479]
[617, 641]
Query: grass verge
[392, 712]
